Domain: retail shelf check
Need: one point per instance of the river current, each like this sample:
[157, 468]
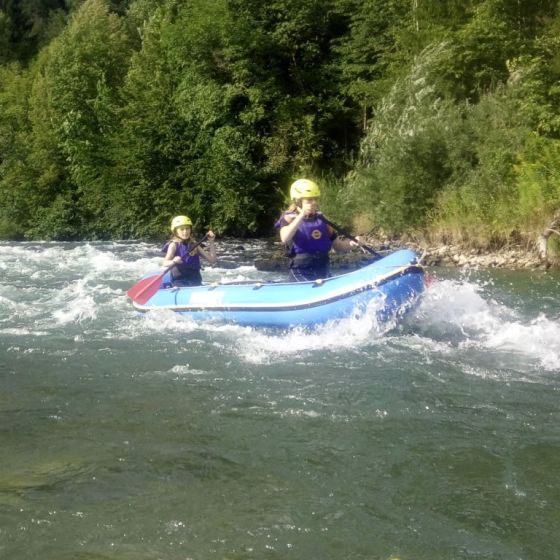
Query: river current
[151, 437]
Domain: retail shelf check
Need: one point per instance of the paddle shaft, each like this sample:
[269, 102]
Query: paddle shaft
[190, 251]
[350, 236]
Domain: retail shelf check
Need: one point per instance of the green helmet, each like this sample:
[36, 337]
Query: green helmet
[179, 221]
[304, 188]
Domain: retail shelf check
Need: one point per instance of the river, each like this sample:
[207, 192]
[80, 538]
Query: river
[148, 437]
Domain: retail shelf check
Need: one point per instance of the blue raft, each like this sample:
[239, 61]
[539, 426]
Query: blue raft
[389, 287]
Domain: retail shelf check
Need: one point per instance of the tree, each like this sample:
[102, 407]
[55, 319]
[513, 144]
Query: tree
[82, 74]
[27, 25]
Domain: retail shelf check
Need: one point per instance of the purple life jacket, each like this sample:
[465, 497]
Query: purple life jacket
[309, 249]
[187, 273]
[312, 236]
[182, 249]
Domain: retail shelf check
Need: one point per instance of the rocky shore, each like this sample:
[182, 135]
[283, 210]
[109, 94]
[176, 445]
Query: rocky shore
[455, 255]
[512, 257]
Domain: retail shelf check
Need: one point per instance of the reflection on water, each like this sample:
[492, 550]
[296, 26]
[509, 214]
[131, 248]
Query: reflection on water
[144, 437]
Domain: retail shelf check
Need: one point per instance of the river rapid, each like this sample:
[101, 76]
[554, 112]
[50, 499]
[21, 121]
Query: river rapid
[148, 437]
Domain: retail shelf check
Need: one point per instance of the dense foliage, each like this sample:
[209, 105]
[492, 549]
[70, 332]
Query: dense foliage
[432, 116]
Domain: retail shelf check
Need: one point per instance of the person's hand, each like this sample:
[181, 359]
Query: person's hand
[308, 208]
[356, 242]
[297, 214]
[177, 260]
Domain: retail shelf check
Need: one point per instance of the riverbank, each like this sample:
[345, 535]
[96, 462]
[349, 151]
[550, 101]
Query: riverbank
[515, 257]
[512, 257]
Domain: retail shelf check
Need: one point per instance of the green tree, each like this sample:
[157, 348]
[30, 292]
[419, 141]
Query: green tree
[27, 25]
[148, 157]
[479, 205]
[130, 111]
[195, 150]
[83, 72]
[364, 54]
[225, 101]
[290, 57]
[478, 54]
[14, 133]
[534, 78]
[404, 157]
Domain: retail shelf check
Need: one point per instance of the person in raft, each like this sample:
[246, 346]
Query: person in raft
[182, 255]
[308, 238]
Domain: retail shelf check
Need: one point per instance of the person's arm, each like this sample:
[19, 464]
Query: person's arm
[341, 245]
[209, 255]
[288, 231]
[344, 245]
[170, 257]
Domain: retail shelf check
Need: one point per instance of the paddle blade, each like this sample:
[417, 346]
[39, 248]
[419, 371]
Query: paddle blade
[142, 291]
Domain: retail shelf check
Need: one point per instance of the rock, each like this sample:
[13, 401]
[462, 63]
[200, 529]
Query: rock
[513, 257]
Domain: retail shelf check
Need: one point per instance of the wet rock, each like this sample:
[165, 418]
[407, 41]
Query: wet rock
[516, 257]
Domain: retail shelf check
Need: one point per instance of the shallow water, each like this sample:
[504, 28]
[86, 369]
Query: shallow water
[152, 437]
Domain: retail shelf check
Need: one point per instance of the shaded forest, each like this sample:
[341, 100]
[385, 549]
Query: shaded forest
[436, 117]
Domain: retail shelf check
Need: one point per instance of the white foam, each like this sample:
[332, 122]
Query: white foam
[267, 346]
[22, 332]
[539, 339]
[46, 286]
[458, 310]
[76, 311]
[74, 303]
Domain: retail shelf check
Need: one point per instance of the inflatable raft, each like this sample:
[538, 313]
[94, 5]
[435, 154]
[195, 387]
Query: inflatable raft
[387, 287]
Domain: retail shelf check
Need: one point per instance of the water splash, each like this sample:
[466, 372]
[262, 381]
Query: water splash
[540, 339]
[57, 286]
[75, 303]
[454, 320]
[461, 315]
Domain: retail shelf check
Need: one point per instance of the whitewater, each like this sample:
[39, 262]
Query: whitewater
[151, 436]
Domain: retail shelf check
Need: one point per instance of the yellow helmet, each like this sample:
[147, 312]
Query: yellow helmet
[179, 221]
[304, 188]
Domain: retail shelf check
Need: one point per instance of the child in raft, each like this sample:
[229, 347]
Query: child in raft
[307, 235]
[182, 255]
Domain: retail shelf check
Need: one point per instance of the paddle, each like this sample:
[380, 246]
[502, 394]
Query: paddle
[346, 234]
[142, 291]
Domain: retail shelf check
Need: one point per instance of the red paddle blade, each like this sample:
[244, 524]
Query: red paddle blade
[142, 291]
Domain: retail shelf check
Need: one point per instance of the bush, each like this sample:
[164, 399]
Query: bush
[407, 155]
[538, 183]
